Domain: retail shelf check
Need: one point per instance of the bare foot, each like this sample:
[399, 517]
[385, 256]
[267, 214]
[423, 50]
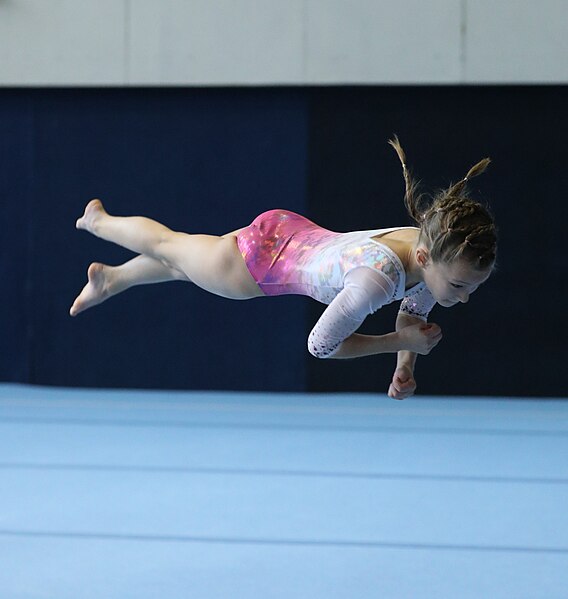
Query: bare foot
[93, 211]
[95, 291]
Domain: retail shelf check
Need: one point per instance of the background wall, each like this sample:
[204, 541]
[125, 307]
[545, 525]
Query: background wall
[209, 161]
[509, 338]
[267, 42]
[202, 132]
[197, 160]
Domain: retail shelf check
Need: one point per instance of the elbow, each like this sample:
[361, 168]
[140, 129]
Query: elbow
[319, 354]
[320, 349]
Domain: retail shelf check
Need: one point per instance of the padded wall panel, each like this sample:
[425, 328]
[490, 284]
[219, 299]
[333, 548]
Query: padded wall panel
[202, 161]
[509, 339]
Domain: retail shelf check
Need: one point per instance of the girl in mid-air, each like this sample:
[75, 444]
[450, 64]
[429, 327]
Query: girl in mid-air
[443, 260]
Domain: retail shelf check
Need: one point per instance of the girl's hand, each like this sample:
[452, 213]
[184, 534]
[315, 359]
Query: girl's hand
[403, 384]
[420, 338]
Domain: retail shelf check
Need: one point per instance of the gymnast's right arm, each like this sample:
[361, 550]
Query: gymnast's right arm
[365, 291]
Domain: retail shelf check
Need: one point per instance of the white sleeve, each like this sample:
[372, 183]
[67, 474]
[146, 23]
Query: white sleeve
[418, 303]
[365, 291]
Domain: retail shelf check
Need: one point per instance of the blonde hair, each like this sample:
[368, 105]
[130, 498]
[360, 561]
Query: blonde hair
[453, 226]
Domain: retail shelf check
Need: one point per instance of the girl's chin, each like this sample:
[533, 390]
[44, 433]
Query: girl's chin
[446, 303]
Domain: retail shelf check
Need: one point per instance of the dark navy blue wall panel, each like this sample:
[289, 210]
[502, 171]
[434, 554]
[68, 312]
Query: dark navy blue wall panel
[17, 243]
[210, 161]
[203, 161]
[510, 338]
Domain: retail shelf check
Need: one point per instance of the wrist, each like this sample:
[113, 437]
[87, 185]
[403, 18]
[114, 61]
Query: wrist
[406, 359]
[401, 341]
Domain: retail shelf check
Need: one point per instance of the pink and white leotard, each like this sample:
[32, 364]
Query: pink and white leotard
[352, 272]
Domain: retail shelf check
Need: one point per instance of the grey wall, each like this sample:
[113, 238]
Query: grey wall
[250, 42]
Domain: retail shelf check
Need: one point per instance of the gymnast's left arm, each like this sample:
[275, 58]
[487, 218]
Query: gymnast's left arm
[414, 309]
[403, 384]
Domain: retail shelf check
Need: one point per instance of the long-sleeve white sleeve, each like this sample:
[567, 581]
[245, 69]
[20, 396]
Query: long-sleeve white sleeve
[365, 291]
[419, 302]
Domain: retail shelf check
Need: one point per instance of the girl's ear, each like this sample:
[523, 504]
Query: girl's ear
[422, 256]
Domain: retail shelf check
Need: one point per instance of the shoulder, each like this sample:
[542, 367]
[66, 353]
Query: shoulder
[398, 234]
[369, 287]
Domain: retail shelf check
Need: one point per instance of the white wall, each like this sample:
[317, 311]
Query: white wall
[242, 42]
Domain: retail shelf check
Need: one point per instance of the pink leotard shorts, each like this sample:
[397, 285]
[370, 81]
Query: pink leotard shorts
[275, 244]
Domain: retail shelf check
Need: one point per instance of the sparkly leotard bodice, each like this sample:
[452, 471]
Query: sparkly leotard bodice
[288, 254]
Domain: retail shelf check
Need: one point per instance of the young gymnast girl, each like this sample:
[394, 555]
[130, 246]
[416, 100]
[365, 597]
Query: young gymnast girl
[443, 260]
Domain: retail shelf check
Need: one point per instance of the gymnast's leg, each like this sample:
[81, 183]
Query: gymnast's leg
[213, 263]
[105, 281]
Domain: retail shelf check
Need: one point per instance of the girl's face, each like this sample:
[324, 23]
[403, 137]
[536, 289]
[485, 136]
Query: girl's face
[453, 283]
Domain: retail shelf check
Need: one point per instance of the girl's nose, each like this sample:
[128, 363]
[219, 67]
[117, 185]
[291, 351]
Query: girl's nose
[464, 298]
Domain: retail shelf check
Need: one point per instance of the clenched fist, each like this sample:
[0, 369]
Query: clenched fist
[403, 384]
[420, 338]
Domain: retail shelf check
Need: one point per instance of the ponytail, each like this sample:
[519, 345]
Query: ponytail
[411, 200]
[474, 171]
[452, 226]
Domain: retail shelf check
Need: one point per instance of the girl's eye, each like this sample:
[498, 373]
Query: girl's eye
[456, 285]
